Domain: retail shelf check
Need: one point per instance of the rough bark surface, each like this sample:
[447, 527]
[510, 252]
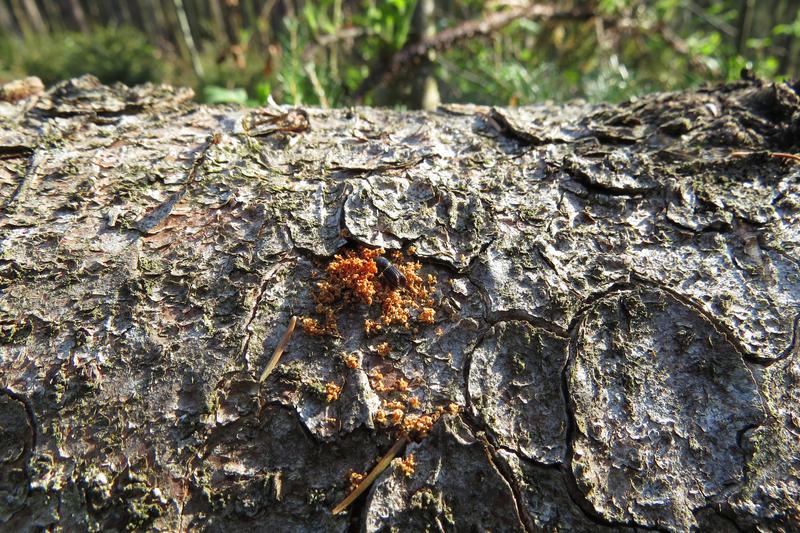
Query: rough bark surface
[616, 313]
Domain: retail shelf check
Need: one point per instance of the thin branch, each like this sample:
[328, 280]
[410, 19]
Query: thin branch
[676, 43]
[713, 20]
[679, 46]
[413, 53]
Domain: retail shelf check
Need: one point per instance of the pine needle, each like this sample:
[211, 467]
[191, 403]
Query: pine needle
[279, 350]
[780, 155]
[374, 473]
[785, 155]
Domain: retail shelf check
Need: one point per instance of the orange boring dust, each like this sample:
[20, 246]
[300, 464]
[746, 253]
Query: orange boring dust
[401, 385]
[352, 279]
[407, 465]
[352, 362]
[383, 349]
[351, 285]
[332, 392]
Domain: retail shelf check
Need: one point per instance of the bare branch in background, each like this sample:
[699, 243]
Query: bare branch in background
[632, 25]
[679, 45]
[414, 53]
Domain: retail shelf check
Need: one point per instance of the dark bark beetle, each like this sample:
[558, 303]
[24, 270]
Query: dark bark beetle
[390, 273]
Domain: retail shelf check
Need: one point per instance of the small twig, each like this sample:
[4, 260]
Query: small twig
[630, 25]
[330, 39]
[681, 47]
[379, 468]
[781, 155]
[279, 350]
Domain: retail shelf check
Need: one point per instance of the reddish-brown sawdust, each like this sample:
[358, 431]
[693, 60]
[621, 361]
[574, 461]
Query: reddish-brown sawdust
[351, 284]
[352, 279]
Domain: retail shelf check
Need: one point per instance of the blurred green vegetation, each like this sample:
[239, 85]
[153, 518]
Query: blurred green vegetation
[112, 54]
[319, 53]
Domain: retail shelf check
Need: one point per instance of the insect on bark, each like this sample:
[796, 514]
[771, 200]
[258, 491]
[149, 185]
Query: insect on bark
[390, 273]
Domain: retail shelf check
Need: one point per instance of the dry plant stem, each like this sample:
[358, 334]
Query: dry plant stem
[374, 473]
[318, 89]
[279, 350]
[782, 155]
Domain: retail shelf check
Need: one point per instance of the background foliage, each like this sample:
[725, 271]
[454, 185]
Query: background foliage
[322, 52]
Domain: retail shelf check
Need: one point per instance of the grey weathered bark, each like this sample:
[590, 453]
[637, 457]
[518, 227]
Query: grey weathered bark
[617, 313]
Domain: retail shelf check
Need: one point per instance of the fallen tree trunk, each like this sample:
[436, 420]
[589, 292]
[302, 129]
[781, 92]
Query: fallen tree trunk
[609, 340]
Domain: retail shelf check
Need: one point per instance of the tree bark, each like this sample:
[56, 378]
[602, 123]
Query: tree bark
[617, 297]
